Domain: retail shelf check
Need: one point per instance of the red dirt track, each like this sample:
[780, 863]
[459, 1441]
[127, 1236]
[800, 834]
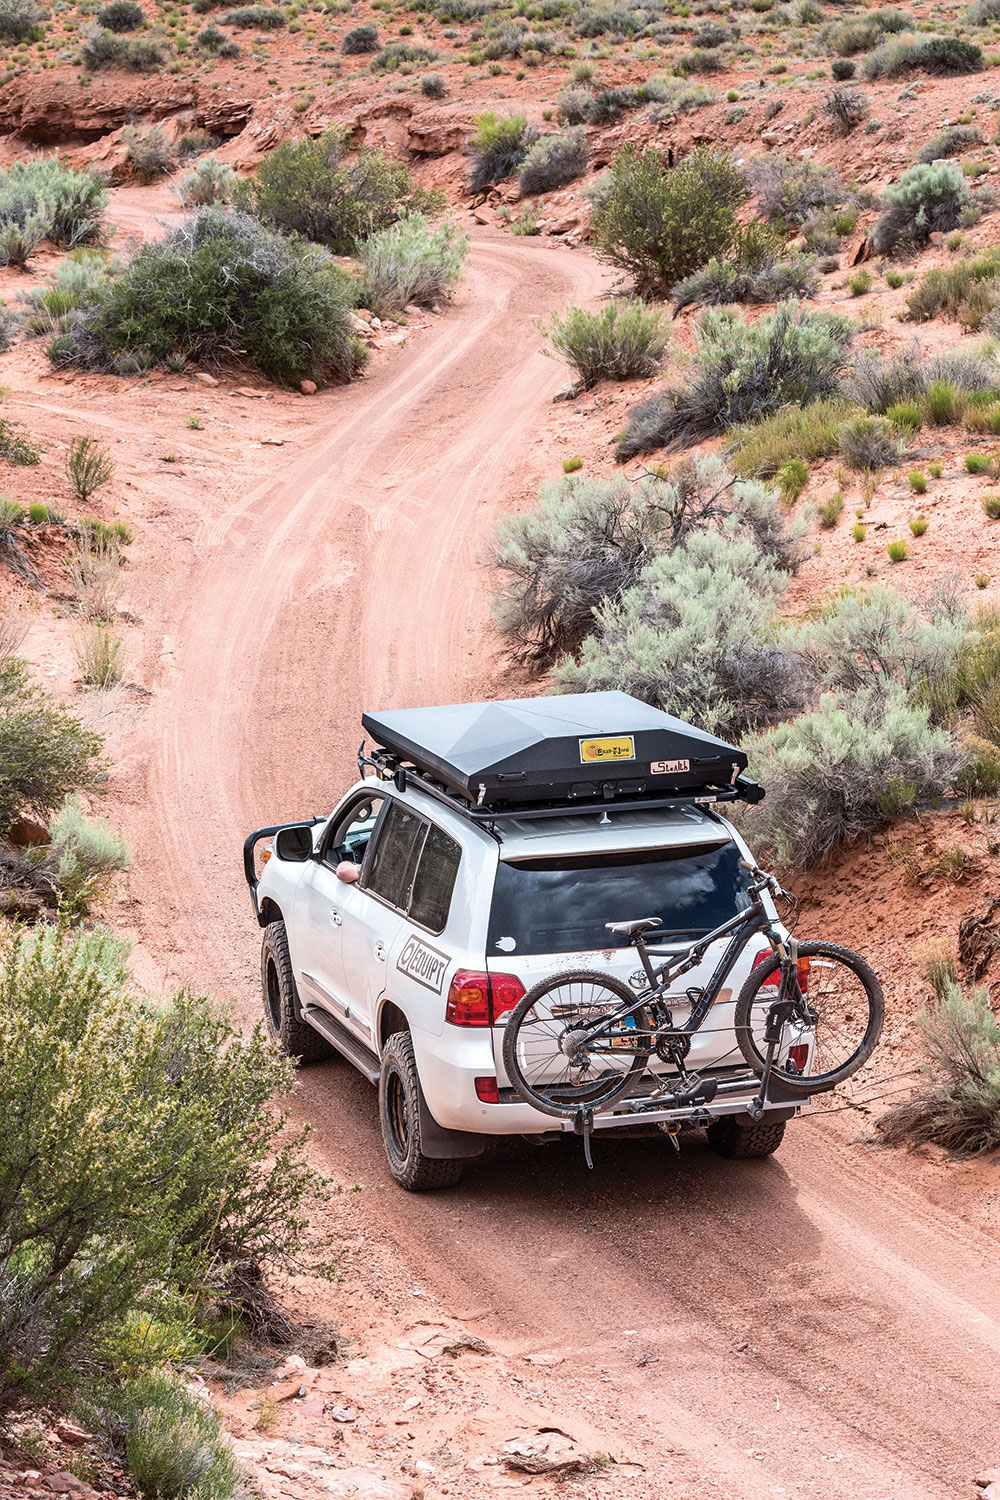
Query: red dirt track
[813, 1324]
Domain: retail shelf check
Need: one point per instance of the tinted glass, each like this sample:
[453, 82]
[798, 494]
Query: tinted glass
[561, 905]
[351, 836]
[395, 855]
[435, 880]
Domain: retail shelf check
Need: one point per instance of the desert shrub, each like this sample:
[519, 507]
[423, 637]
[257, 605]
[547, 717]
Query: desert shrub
[843, 68]
[855, 36]
[89, 467]
[573, 104]
[594, 21]
[360, 39]
[210, 181]
[793, 476]
[943, 403]
[958, 1104]
[553, 161]
[950, 142]
[966, 291]
[433, 86]
[927, 54]
[874, 638]
[305, 187]
[44, 200]
[928, 197]
[726, 281]
[172, 1443]
[45, 752]
[412, 261]
[396, 54]
[623, 341]
[217, 43]
[789, 189]
[833, 775]
[139, 1161]
[148, 153]
[983, 12]
[742, 373]
[221, 286]
[499, 145]
[868, 443]
[255, 18]
[94, 570]
[700, 60]
[121, 15]
[795, 433]
[846, 108]
[692, 637]
[658, 224]
[100, 656]
[86, 854]
[16, 447]
[102, 48]
[20, 20]
[52, 308]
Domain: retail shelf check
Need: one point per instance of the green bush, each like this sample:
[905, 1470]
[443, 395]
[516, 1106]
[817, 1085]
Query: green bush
[215, 42]
[991, 506]
[743, 372]
[658, 224]
[917, 480]
[868, 444]
[360, 39]
[45, 752]
[943, 403]
[808, 433]
[793, 476]
[16, 448]
[729, 281]
[148, 153]
[898, 551]
[305, 187]
[846, 108]
[966, 290]
[139, 1161]
[218, 287]
[121, 15]
[789, 189]
[828, 512]
[102, 48]
[172, 1442]
[958, 1105]
[86, 854]
[255, 18]
[553, 161]
[209, 182]
[52, 309]
[20, 21]
[623, 341]
[918, 525]
[868, 639]
[928, 54]
[397, 54]
[499, 146]
[43, 200]
[843, 68]
[89, 467]
[828, 773]
[412, 262]
[927, 198]
[950, 142]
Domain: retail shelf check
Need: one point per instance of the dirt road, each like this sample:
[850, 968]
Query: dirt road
[809, 1325]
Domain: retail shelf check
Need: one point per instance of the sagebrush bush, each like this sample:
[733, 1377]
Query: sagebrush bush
[255, 18]
[148, 153]
[121, 15]
[209, 182]
[868, 443]
[966, 291]
[950, 142]
[139, 1160]
[433, 86]
[215, 42]
[499, 146]
[412, 261]
[20, 20]
[86, 854]
[868, 639]
[51, 309]
[982, 12]
[220, 287]
[789, 189]
[927, 198]
[727, 281]
[836, 775]
[553, 161]
[401, 55]
[957, 1105]
[45, 752]
[306, 188]
[102, 48]
[808, 433]
[659, 224]
[742, 373]
[623, 341]
[43, 200]
[928, 54]
[172, 1443]
[360, 39]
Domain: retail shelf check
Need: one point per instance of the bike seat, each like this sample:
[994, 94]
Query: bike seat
[630, 929]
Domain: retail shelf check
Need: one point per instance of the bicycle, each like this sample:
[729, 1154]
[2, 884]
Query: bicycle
[577, 1042]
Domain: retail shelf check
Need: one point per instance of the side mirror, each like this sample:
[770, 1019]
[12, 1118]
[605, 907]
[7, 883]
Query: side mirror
[347, 871]
[294, 843]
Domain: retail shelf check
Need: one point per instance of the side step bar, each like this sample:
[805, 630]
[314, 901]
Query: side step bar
[349, 1046]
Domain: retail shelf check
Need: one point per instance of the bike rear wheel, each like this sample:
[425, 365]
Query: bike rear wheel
[548, 1070]
[835, 1022]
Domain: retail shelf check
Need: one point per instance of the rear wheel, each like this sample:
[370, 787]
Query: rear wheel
[744, 1139]
[399, 1112]
[548, 1058]
[277, 979]
[833, 1024]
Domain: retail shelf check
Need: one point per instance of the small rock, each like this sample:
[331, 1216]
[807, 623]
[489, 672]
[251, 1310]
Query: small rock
[423, 1469]
[272, 442]
[412, 310]
[206, 378]
[568, 392]
[65, 1431]
[287, 1390]
[248, 393]
[411, 1403]
[991, 1492]
[26, 832]
[67, 1484]
[364, 314]
[988, 1476]
[436, 310]
[546, 1361]
[307, 387]
[343, 1414]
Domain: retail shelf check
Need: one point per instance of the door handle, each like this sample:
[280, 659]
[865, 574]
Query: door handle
[335, 916]
[380, 951]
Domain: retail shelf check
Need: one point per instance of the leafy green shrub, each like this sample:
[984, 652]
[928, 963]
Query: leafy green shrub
[868, 444]
[894, 279]
[209, 182]
[304, 187]
[928, 54]
[659, 224]
[220, 286]
[148, 153]
[499, 146]
[808, 432]
[828, 512]
[843, 68]
[950, 142]
[255, 18]
[898, 551]
[43, 200]
[412, 262]
[621, 342]
[846, 108]
[121, 15]
[928, 197]
[827, 773]
[89, 467]
[793, 476]
[38, 514]
[743, 372]
[553, 161]
[16, 448]
[789, 189]
[360, 39]
[958, 1105]
[398, 53]
[139, 1161]
[906, 416]
[45, 753]
[20, 20]
[692, 637]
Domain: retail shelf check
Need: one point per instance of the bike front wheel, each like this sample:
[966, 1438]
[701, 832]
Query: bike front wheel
[833, 1023]
[546, 1051]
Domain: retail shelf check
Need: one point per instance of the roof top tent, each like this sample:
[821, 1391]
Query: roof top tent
[553, 754]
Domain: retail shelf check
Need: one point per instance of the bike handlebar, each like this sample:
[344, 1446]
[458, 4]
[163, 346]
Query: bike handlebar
[764, 881]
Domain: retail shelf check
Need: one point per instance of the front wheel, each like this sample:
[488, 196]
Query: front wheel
[834, 1019]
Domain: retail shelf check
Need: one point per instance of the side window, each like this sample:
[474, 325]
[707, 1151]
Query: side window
[351, 836]
[394, 856]
[434, 881]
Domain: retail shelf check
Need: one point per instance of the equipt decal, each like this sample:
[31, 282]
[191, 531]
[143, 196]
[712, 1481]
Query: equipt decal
[424, 964]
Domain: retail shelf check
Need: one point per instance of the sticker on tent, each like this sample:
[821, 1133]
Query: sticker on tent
[609, 747]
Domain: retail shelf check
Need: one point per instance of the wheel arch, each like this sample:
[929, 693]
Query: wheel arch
[391, 1019]
[269, 912]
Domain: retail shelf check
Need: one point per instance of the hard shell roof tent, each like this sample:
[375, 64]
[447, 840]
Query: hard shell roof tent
[554, 754]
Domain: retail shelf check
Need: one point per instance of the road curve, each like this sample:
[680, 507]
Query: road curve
[807, 1325]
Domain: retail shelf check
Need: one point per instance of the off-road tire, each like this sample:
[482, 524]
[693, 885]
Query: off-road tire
[745, 1140]
[295, 1037]
[399, 1098]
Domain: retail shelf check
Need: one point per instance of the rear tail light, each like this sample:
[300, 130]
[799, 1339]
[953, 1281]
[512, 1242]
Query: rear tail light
[799, 1056]
[487, 1090]
[478, 999]
[770, 985]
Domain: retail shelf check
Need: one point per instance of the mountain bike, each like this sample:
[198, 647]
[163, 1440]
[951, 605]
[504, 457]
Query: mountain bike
[808, 1016]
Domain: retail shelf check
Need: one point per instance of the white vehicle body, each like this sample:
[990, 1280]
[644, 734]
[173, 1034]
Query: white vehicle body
[382, 954]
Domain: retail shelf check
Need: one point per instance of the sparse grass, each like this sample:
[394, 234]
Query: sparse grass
[918, 525]
[859, 531]
[943, 403]
[991, 506]
[860, 282]
[89, 467]
[935, 470]
[100, 656]
[898, 551]
[917, 481]
[982, 580]
[868, 443]
[828, 511]
[16, 448]
[571, 465]
[977, 463]
[806, 433]
[793, 476]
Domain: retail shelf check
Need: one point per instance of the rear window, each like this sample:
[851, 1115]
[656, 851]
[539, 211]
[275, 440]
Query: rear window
[561, 905]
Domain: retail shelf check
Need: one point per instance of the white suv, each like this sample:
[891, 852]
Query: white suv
[402, 930]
